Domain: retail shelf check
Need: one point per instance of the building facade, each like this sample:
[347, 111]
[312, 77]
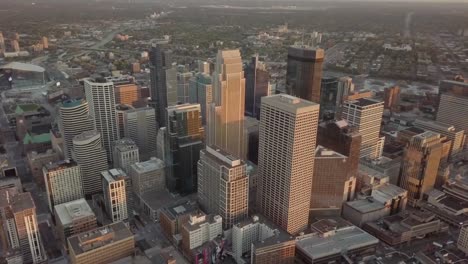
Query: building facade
[201, 92]
[117, 189]
[257, 85]
[125, 154]
[452, 109]
[140, 126]
[148, 176]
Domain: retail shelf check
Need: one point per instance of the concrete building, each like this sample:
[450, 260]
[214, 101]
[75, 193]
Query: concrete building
[223, 185]
[73, 218]
[335, 244]
[259, 231]
[331, 186]
[91, 156]
[174, 216]
[462, 242]
[20, 222]
[226, 114]
[455, 87]
[420, 165]
[127, 93]
[139, 125]
[345, 88]
[63, 182]
[74, 119]
[456, 136]
[148, 176]
[392, 98]
[451, 111]
[199, 229]
[37, 160]
[117, 189]
[288, 131]
[100, 95]
[183, 87]
[366, 115]
[201, 92]
[185, 138]
[383, 165]
[304, 72]
[9, 178]
[125, 154]
[257, 85]
[102, 245]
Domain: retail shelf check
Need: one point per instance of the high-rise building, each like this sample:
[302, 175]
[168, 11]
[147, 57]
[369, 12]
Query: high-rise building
[257, 85]
[117, 189]
[457, 87]
[125, 154]
[366, 116]
[452, 109]
[420, 164]
[203, 67]
[2, 43]
[162, 74]
[20, 222]
[101, 97]
[304, 72]
[74, 119]
[15, 45]
[288, 130]
[328, 97]
[127, 94]
[226, 114]
[185, 134]
[45, 42]
[102, 245]
[140, 125]
[148, 176]
[331, 185]
[63, 182]
[119, 113]
[183, 87]
[91, 156]
[462, 242]
[345, 88]
[457, 136]
[201, 92]
[73, 218]
[391, 97]
[223, 185]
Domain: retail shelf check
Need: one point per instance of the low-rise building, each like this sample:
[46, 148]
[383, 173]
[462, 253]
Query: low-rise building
[37, 160]
[172, 217]
[117, 189]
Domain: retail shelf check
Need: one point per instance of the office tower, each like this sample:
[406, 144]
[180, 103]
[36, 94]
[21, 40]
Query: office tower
[201, 92]
[391, 97]
[119, 113]
[203, 67]
[185, 134]
[102, 245]
[226, 114]
[223, 185]
[342, 138]
[457, 136]
[20, 223]
[161, 95]
[45, 42]
[74, 119]
[462, 242]
[183, 87]
[452, 110]
[117, 194]
[304, 72]
[63, 182]
[125, 154]
[101, 98]
[288, 130]
[331, 184]
[73, 218]
[140, 125]
[345, 88]
[457, 87]
[91, 157]
[257, 85]
[366, 116]
[15, 46]
[328, 97]
[148, 176]
[127, 93]
[420, 164]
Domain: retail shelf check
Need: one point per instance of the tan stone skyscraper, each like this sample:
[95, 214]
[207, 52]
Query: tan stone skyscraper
[288, 130]
[226, 114]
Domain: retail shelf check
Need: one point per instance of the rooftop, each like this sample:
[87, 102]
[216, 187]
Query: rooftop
[60, 165]
[366, 205]
[74, 210]
[23, 108]
[290, 103]
[365, 102]
[72, 103]
[125, 144]
[322, 152]
[19, 66]
[114, 175]
[224, 156]
[324, 226]
[182, 207]
[149, 165]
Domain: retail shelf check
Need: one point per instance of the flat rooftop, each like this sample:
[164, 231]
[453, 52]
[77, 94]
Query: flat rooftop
[114, 175]
[149, 165]
[68, 212]
[344, 239]
[60, 165]
[322, 152]
[366, 205]
[181, 207]
[289, 103]
[365, 102]
[326, 225]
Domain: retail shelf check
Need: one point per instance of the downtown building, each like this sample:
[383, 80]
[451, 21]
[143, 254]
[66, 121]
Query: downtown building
[183, 87]
[257, 85]
[125, 154]
[452, 110]
[201, 92]
[223, 185]
[288, 130]
[101, 98]
[117, 189]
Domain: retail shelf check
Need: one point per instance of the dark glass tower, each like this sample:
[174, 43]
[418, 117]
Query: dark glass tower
[160, 61]
[257, 85]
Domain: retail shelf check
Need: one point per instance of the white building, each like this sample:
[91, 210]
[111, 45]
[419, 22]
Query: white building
[117, 194]
[462, 243]
[63, 182]
[201, 228]
[125, 154]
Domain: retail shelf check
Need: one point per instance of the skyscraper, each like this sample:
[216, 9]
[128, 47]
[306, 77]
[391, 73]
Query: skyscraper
[183, 87]
[288, 130]
[101, 98]
[63, 182]
[140, 125]
[456, 136]
[162, 95]
[91, 157]
[185, 134]
[328, 97]
[74, 119]
[366, 116]
[201, 92]
[127, 94]
[117, 191]
[226, 114]
[453, 109]
[257, 85]
[223, 185]
[125, 154]
[20, 222]
[391, 97]
[420, 165]
[148, 176]
[345, 88]
[304, 72]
